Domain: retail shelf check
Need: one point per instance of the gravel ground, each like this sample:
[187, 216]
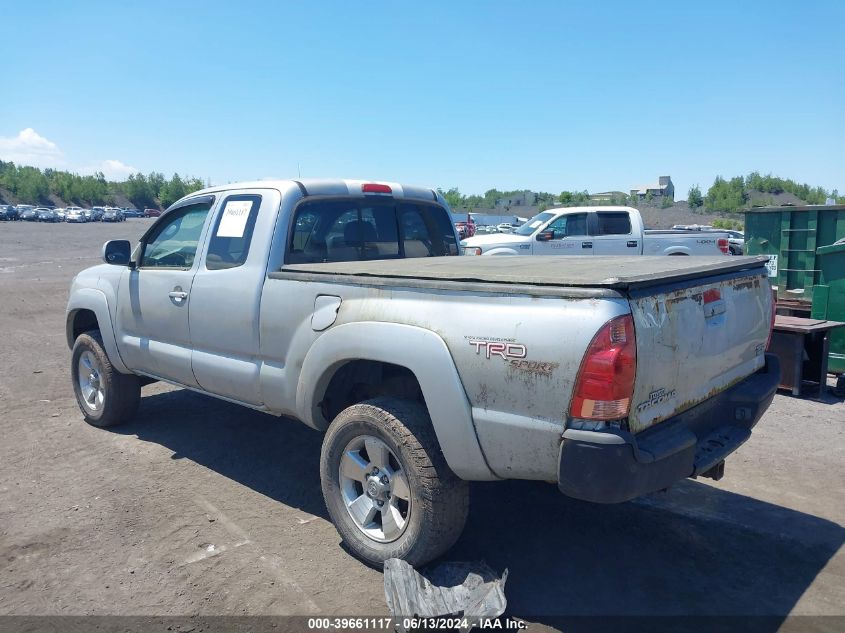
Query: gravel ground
[203, 507]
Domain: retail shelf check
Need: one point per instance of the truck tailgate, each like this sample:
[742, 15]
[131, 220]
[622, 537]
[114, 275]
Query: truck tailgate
[696, 339]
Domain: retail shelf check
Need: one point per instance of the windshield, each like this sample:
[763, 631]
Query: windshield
[534, 223]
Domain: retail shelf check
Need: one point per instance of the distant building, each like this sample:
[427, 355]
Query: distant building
[608, 196]
[521, 199]
[663, 188]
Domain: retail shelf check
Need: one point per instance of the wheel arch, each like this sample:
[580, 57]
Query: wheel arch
[421, 353]
[88, 307]
[501, 250]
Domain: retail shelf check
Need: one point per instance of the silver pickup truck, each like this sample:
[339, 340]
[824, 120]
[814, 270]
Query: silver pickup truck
[338, 303]
[598, 231]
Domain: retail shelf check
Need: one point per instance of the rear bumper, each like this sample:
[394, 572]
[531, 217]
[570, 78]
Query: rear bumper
[614, 466]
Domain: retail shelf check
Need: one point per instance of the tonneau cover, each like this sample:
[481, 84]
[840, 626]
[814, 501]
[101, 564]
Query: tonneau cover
[616, 273]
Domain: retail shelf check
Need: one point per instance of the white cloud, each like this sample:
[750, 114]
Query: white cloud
[113, 169]
[30, 148]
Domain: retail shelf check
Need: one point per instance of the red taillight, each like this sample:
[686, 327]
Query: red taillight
[724, 246]
[605, 381]
[372, 187]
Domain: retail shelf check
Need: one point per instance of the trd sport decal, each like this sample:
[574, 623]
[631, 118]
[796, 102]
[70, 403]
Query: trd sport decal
[514, 354]
[497, 348]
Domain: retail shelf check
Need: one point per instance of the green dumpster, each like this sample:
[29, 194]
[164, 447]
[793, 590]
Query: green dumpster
[791, 237]
[829, 301]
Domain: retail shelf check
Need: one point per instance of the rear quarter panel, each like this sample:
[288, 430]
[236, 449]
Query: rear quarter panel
[517, 356]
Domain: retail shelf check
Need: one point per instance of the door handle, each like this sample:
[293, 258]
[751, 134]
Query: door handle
[179, 295]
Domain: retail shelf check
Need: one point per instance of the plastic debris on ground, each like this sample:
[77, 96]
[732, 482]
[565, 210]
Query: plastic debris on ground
[468, 590]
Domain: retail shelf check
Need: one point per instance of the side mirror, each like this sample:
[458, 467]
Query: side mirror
[117, 252]
[545, 236]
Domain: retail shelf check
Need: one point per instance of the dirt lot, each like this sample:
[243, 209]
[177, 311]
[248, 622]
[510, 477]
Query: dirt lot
[202, 507]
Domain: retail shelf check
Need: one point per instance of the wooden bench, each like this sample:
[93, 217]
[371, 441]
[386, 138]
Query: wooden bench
[802, 347]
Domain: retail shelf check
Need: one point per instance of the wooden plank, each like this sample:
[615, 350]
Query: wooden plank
[802, 325]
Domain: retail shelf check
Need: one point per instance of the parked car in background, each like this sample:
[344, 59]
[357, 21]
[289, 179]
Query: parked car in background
[76, 214]
[61, 213]
[466, 228]
[22, 208]
[151, 213]
[47, 215]
[113, 214]
[96, 213]
[504, 227]
[8, 212]
[131, 212]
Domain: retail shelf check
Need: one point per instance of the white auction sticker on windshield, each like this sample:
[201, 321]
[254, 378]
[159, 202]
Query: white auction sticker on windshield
[235, 215]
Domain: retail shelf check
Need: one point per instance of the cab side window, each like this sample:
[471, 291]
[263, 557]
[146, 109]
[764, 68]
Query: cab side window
[173, 243]
[613, 223]
[569, 225]
[232, 233]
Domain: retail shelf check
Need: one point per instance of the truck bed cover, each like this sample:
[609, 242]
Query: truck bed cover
[611, 273]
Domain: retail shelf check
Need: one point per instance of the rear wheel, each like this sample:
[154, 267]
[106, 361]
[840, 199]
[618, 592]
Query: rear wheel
[104, 395]
[387, 486]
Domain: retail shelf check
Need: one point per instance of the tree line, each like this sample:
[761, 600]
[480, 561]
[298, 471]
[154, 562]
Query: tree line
[543, 200]
[739, 193]
[731, 195]
[34, 186]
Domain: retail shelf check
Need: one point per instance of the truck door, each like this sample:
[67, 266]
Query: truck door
[152, 308]
[226, 295]
[569, 237]
[613, 234]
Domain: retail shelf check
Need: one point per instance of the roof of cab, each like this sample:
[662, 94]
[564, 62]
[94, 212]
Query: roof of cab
[328, 187]
[598, 207]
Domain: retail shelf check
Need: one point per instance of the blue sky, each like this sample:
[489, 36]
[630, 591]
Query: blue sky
[541, 95]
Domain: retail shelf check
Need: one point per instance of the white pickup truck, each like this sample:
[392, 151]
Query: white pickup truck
[595, 231]
[338, 303]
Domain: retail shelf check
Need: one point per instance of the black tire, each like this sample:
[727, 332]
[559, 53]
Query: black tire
[122, 392]
[439, 500]
[839, 389]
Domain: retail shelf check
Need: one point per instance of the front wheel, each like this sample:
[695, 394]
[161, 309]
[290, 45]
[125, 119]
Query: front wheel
[104, 395]
[387, 486]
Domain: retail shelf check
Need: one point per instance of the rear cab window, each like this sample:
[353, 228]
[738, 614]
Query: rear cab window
[613, 223]
[359, 229]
